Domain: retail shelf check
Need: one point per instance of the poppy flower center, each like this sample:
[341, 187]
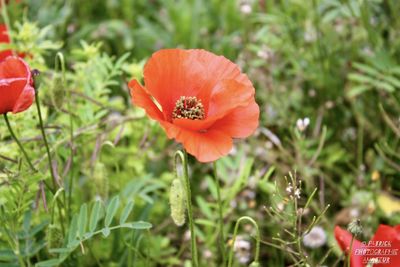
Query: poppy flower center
[188, 107]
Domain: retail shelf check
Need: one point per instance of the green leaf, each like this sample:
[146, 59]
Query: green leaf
[360, 78]
[82, 220]
[94, 216]
[111, 210]
[60, 250]
[140, 225]
[105, 231]
[366, 69]
[73, 229]
[125, 213]
[357, 90]
[204, 207]
[48, 263]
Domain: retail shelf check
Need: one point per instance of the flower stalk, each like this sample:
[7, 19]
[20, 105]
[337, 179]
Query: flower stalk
[235, 231]
[220, 214]
[41, 124]
[186, 183]
[46, 144]
[21, 147]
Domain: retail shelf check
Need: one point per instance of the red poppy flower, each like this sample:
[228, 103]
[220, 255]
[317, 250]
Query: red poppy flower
[4, 38]
[200, 99]
[16, 85]
[384, 247]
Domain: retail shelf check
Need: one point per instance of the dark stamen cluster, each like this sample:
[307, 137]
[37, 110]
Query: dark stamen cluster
[188, 107]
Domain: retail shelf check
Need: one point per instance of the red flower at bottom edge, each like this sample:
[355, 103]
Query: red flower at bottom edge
[384, 247]
[16, 85]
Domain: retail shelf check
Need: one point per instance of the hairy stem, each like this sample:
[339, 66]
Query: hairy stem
[21, 147]
[48, 156]
[186, 182]
[220, 214]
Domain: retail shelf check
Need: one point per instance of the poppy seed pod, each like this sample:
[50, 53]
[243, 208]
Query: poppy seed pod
[201, 100]
[99, 178]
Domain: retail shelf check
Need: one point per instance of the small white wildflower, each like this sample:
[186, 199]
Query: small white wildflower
[339, 27]
[186, 235]
[315, 238]
[329, 104]
[368, 51]
[265, 52]
[354, 213]
[242, 249]
[246, 9]
[269, 145]
[207, 254]
[280, 206]
[310, 36]
[302, 124]
[289, 188]
[297, 193]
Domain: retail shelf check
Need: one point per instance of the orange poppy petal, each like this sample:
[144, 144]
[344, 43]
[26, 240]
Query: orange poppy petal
[171, 73]
[227, 96]
[143, 100]
[206, 147]
[168, 75]
[241, 122]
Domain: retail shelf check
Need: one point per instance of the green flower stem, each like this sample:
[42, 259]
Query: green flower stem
[14, 244]
[60, 61]
[186, 182]
[21, 147]
[257, 253]
[46, 144]
[54, 188]
[220, 214]
[350, 250]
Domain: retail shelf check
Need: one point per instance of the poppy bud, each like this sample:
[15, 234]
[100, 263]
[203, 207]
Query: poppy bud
[355, 227]
[100, 184]
[177, 202]
[254, 264]
[57, 92]
[54, 237]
